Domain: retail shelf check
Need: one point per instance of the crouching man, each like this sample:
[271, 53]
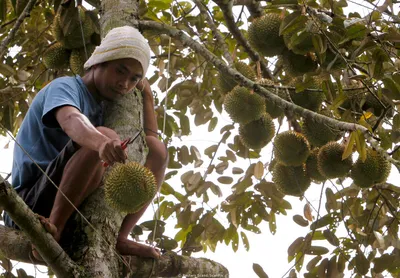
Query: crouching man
[62, 133]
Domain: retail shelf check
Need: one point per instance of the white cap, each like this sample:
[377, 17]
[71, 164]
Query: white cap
[119, 43]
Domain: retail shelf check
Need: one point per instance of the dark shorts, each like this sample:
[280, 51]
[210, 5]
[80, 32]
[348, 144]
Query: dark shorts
[40, 197]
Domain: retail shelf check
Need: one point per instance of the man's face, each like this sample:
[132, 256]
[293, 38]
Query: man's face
[118, 77]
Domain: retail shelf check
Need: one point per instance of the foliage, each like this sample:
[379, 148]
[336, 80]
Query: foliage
[356, 59]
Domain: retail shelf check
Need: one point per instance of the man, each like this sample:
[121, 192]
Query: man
[62, 133]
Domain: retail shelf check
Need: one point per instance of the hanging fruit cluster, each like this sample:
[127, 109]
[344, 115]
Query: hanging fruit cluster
[76, 31]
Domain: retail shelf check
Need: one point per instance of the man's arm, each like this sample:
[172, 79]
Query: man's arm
[149, 115]
[78, 127]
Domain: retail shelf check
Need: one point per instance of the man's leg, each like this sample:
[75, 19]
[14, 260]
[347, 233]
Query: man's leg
[82, 175]
[157, 163]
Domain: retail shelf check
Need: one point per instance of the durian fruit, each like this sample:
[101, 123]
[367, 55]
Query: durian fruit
[318, 133]
[128, 187]
[291, 148]
[375, 169]
[78, 59]
[330, 163]
[226, 83]
[244, 106]
[263, 35]
[56, 57]
[273, 110]
[312, 167]
[74, 38]
[297, 65]
[75, 62]
[258, 133]
[309, 99]
[291, 180]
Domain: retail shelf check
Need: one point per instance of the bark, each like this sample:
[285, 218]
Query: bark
[45, 244]
[15, 245]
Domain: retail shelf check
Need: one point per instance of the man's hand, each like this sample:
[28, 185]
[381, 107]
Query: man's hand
[144, 86]
[111, 151]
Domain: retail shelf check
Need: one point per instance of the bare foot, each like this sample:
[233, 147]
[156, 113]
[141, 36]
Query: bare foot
[129, 247]
[50, 228]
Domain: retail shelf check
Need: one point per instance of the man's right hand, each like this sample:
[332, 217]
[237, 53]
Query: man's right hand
[111, 151]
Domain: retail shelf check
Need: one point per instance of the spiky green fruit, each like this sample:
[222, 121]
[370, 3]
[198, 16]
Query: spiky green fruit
[128, 187]
[56, 57]
[312, 166]
[309, 99]
[263, 35]
[291, 180]
[258, 133]
[330, 163]
[291, 148]
[76, 62]
[296, 65]
[244, 106]
[273, 110]
[319, 133]
[375, 169]
[226, 83]
[78, 36]
[78, 58]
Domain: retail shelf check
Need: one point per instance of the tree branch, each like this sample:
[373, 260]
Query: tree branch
[173, 265]
[15, 245]
[276, 100]
[25, 13]
[220, 39]
[48, 248]
[226, 9]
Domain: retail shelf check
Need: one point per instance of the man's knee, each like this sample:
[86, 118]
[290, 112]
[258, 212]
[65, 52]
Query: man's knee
[107, 132]
[158, 152]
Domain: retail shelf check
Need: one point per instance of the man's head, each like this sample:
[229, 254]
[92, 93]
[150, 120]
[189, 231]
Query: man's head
[119, 62]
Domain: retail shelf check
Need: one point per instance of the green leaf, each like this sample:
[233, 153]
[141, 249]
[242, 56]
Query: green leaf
[317, 250]
[396, 121]
[362, 263]
[383, 262]
[235, 241]
[259, 271]
[272, 223]
[245, 241]
[225, 180]
[292, 22]
[213, 123]
[320, 44]
[299, 220]
[393, 87]
[6, 70]
[159, 4]
[331, 237]
[379, 56]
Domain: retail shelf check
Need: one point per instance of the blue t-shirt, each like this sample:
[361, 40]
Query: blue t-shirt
[40, 134]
